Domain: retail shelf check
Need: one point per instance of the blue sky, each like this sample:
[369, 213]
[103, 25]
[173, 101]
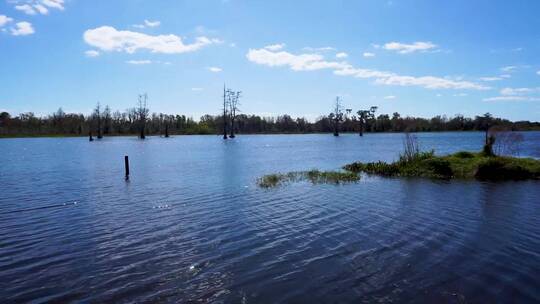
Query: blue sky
[420, 58]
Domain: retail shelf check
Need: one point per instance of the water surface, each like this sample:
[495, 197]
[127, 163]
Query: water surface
[191, 225]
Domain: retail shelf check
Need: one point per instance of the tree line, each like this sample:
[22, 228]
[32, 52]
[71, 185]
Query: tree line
[138, 121]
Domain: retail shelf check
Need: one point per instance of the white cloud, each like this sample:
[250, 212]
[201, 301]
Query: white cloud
[368, 54]
[538, 72]
[342, 55]
[58, 4]
[152, 23]
[319, 49]
[41, 9]
[147, 23]
[275, 47]
[511, 98]
[196, 89]
[518, 91]
[429, 82]
[4, 20]
[404, 48]
[505, 76]
[91, 53]
[139, 62]
[33, 7]
[107, 38]
[303, 62]
[509, 68]
[389, 97]
[490, 78]
[461, 95]
[22, 29]
[516, 94]
[215, 69]
[26, 8]
[311, 62]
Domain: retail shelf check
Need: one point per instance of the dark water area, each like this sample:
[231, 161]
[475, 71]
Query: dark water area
[192, 226]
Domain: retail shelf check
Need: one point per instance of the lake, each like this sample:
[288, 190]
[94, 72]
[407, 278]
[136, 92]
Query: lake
[191, 224]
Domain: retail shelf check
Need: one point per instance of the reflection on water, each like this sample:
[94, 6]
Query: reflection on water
[191, 225]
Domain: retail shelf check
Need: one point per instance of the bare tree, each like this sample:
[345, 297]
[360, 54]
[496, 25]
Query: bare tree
[225, 106]
[337, 115]
[506, 141]
[107, 120]
[141, 113]
[363, 116]
[233, 108]
[97, 117]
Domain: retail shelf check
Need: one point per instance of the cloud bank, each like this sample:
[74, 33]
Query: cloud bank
[33, 7]
[109, 39]
[312, 62]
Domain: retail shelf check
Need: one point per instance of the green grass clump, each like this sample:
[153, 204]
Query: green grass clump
[313, 176]
[330, 177]
[507, 168]
[464, 154]
[379, 167]
[459, 165]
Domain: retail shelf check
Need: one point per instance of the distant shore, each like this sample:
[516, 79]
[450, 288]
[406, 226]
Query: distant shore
[6, 136]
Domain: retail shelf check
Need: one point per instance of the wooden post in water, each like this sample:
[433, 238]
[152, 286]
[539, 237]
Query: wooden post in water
[126, 165]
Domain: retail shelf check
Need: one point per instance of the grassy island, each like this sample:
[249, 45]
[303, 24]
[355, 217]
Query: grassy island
[463, 165]
[412, 162]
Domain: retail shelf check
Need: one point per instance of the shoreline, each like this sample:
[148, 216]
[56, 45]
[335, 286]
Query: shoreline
[4, 136]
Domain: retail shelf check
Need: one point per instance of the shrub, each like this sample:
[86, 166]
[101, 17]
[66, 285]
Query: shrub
[271, 180]
[411, 148]
[464, 154]
[501, 169]
[439, 167]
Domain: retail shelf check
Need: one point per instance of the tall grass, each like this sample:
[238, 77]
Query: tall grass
[313, 176]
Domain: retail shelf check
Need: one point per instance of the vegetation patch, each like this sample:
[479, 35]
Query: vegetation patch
[485, 165]
[459, 165]
[313, 176]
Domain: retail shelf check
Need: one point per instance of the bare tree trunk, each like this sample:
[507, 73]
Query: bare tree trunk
[166, 130]
[142, 112]
[99, 135]
[141, 135]
[224, 113]
[232, 127]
